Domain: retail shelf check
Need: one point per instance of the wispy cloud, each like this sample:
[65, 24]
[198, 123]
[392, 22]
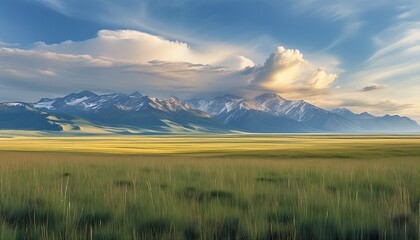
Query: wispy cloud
[352, 15]
[131, 14]
[57, 5]
[5, 44]
[396, 59]
[388, 106]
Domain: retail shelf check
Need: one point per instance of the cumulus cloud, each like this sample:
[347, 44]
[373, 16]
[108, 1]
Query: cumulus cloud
[280, 70]
[287, 70]
[320, 79]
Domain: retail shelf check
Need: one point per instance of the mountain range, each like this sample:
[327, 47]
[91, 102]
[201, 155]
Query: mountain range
[89, 113]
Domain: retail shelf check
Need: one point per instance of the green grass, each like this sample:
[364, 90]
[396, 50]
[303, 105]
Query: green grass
[366, 189]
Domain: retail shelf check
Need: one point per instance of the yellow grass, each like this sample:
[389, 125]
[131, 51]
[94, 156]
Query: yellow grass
[199, 144]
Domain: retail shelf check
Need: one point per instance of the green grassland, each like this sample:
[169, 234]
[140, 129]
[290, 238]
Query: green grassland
[210, 187]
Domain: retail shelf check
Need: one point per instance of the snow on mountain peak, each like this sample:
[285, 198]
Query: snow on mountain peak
[267, 112]
[76, 101]
[13, 104]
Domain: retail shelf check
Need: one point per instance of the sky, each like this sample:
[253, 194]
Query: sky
[361, 55]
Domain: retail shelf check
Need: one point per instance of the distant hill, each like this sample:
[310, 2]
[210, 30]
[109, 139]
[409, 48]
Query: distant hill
[387, 123]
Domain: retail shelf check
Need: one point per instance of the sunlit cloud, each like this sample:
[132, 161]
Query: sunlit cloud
[138, 47]
[353, 50]
[124, 60]
[72, 66]
[286, 70]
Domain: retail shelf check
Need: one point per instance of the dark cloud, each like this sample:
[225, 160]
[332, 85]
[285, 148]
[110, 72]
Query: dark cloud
[372, 88]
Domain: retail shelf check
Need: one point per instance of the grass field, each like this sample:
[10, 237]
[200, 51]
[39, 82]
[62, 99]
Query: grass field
[210, 187]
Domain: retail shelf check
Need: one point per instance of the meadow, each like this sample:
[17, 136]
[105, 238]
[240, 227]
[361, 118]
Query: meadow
[210, 187]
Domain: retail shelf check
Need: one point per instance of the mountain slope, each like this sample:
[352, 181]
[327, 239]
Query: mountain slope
[21, 116]
[387, 123]
[271, 108]
[132, 111]
[90, 113]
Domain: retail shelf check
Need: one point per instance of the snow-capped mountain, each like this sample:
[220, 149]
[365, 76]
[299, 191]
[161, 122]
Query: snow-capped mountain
[216, 105]
[22, 116]
[138, 114]
[130, 111]
[90, 102]
[307, 117]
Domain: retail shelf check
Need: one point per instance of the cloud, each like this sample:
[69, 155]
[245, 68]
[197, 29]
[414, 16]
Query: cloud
[380, 106]
[347, 13]
[397, 54]
[320, 79]
[5, 44]
[372, 88]
[27, 74]
[287, 70]
[47, 72]
[393, 67]
[57, 5]
[124, 60]
[139, 48]
[395, 62]
[194, 60]
[121, 61]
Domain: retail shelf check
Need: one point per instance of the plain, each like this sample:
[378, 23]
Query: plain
[210, 187]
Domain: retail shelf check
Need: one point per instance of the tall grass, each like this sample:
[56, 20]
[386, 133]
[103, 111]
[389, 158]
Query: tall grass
[310, 193]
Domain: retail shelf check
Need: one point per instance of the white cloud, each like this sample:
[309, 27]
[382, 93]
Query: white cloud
[320, 79]
[287, 70]
[30, 74]
[280, 70]
[138, 47]
[124, 61]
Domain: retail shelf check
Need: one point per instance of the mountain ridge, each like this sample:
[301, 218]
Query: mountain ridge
[141, 114]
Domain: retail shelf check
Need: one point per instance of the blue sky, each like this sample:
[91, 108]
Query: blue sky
[357, 54]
